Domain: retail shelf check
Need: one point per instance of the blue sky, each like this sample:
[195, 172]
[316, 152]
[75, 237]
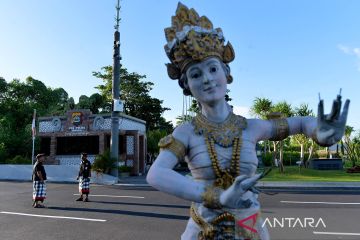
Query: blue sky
[285, 50]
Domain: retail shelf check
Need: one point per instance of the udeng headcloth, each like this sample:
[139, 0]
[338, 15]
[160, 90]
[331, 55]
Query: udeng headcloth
[192, 39]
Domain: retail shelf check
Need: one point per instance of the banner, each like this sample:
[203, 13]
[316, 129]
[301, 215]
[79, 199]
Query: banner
[33, 126]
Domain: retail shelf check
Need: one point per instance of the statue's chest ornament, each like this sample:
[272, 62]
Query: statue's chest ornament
[225, 134]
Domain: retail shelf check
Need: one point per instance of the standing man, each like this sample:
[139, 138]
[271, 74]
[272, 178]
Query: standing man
[84, 178]
[39, 185]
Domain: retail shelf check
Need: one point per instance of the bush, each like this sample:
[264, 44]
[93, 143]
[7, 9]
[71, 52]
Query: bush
[124, 168]
[103, 163]
[291, 157]
[267, 159]
[3, 153]
[19, 160]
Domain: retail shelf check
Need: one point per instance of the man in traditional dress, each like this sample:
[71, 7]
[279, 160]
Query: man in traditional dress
[39, 178]
[217, 145]
[84, 178]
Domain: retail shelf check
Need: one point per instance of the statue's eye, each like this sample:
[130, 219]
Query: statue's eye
[195, 75]
[213, 69]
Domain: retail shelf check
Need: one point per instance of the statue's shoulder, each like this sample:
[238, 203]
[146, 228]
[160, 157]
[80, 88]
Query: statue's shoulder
[239, 121]
[183, 132]
[185, 127]
[253, 123]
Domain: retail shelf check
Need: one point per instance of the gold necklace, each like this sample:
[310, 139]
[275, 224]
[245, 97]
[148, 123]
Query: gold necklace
[225, 177]
[226, 134]
[223, 133]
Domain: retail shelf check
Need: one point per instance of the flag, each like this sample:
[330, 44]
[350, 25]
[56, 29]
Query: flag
[33, 126]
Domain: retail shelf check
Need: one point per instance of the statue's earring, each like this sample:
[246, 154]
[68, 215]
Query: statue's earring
[229, 79]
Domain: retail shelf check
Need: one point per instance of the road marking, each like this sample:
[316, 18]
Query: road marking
[49, 216]
[337, 233]
[334, 203]
[112, 196]
[132, 184]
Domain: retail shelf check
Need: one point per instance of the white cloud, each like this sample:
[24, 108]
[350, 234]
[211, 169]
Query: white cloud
[241, 110]
[351, 51]
[357, 52]
[344, 49]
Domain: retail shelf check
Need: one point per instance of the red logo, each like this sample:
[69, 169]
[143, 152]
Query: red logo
[249, 226]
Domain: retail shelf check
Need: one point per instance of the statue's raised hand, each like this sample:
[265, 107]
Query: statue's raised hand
[241, 194]
[331, 127]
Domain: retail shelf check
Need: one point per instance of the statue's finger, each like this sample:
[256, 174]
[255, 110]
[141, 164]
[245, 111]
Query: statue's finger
[335, 110]
[345, 111]
[239, 179]
[254, 190]
[247, 203]
[249, 182]
[321, 110]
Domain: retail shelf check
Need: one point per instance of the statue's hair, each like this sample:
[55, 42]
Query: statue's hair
[183, 79]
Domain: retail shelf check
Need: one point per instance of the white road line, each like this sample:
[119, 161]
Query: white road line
[49, 216]
[337, 233]
[334, 203]
[112, 196]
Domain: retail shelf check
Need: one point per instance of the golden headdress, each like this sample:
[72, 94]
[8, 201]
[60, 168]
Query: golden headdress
[192, 39]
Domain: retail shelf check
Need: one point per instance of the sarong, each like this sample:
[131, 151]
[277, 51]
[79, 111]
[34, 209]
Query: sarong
[39, 191]
[84, 185]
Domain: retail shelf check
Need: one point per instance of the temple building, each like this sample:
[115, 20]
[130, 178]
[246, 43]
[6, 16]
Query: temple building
[63, 138]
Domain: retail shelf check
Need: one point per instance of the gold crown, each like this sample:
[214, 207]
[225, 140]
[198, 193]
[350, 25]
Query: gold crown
[192, 39]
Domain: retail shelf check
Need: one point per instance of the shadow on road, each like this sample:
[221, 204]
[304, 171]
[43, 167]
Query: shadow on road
[144, 204]
[122, 212]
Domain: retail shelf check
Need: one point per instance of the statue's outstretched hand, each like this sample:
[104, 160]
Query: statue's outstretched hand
[331, 127]
[241, 194]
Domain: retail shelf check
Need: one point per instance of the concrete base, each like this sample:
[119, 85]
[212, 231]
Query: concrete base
[55, 173]
[326, 163]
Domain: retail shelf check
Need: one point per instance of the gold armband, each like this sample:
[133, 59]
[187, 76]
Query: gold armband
[173, 145]
[280, 129]
[211, 197]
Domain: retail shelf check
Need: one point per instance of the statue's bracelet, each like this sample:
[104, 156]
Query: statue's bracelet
[211, 197]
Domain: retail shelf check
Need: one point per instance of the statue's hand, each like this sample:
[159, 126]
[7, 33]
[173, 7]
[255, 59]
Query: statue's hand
[331, 127]
[240, 194]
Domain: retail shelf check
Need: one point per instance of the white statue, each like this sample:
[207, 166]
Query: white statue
[219, 146]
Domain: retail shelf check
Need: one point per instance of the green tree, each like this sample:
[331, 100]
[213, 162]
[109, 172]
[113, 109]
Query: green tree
[17, 101]
[261, 108]
[303, 110]
[135, 95]
[285, 110]
[153, 138]
[351, 146]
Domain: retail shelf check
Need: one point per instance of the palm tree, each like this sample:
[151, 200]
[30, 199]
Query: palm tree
[351, 146]
[301, 139]
[281, 110]
[261, 108]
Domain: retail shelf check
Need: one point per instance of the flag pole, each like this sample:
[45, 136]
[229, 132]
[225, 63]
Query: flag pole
[33, 130]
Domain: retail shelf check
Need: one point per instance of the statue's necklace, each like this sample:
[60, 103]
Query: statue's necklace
[225, 134]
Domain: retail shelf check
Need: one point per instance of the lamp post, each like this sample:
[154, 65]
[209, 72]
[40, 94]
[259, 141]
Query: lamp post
[117, 106]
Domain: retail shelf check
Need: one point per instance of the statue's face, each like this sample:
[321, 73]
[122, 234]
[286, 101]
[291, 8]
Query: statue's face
[207, 81]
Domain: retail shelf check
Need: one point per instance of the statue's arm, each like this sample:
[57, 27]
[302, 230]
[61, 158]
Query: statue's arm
[162, 176]
[325, 129]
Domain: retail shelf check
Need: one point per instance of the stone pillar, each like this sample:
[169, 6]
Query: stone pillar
[51, 158]
[136, 153]
[135, 134]
[101, 143]
[142, 154]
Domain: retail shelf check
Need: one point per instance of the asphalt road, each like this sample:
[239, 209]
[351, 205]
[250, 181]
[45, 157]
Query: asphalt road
[117, 212]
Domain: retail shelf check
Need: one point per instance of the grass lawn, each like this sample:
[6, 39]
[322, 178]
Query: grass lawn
[292, 173]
